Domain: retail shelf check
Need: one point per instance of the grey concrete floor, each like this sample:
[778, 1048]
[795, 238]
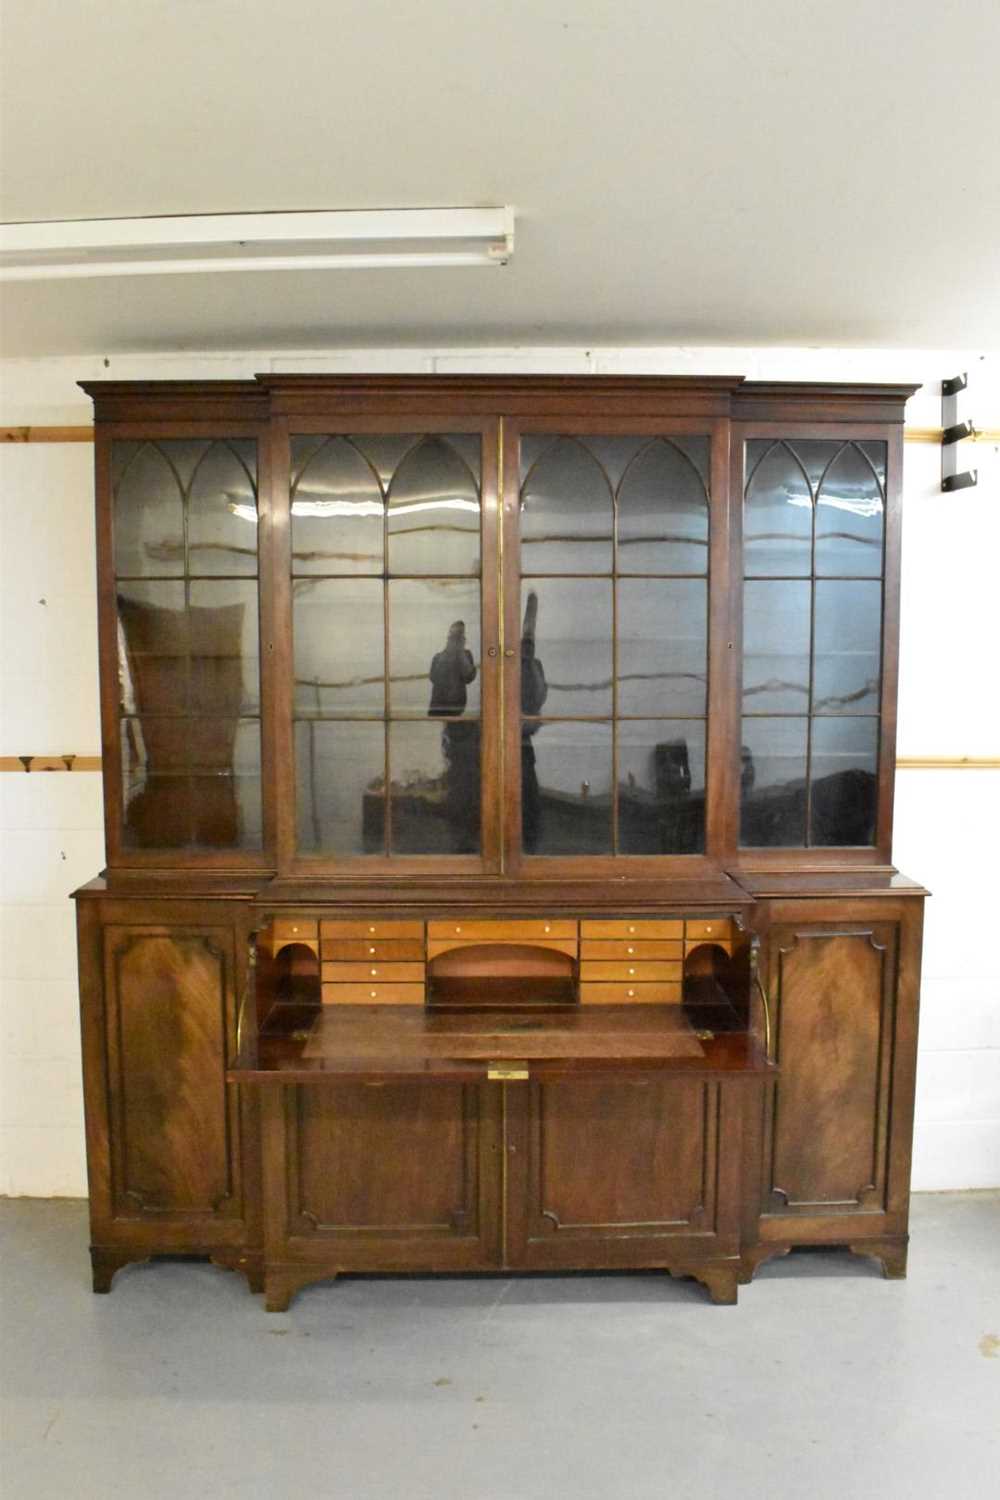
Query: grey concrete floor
[826, 1382]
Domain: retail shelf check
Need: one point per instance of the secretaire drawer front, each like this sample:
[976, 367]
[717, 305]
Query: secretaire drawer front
[628, 972]
[637, 927]
[665, 993]
[490, 931]
[355, 950]
[294, 930]
[374, 928]
[349, 973]
[719, 929]
[633, 948]
[375, 993]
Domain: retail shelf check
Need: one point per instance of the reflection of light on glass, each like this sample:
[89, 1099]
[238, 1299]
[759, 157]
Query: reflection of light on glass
[357, 508]
[863, 508]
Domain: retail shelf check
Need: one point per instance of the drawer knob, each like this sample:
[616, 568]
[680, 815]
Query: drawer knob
[631, 929]
[548, 927]
[372, 951]
[631, 950]
[374, 972]
[458, 929]
[631, 994]
[371, 929]
[631, 971]
[374, 994]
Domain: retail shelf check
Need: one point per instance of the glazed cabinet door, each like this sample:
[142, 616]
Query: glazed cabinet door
[837, 1122]
[621, 1172]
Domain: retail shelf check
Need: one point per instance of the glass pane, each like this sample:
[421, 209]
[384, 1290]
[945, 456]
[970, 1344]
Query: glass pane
[847, 647]
[566, 512]
[222, 510]
[339, 644]
[661, 787]
[153, 648]
[662, 646]
[434, 646]
[844, 781]
[434, 512]
[662, 513]
[777, 517]
[191, 782]
[570, 623]
[849, 515]
[225, 673]
[149, 512]
[566, 788]
[434, 788]
[340, 787]
[337, 508]
[776, 647]
[773, 783]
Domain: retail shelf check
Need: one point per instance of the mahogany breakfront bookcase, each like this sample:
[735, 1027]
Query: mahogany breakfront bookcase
[498, 783]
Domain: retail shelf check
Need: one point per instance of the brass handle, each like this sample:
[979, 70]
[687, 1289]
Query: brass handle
[767, 1013]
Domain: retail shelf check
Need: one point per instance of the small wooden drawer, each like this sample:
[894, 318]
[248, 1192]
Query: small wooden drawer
[598, 948]
[374, 928]
[354, 950]
[516, 931]
[641, 973]
[664, 993]
[373, 994]
[637, 927]
[293, 930]
[361, 973]
[719, 928]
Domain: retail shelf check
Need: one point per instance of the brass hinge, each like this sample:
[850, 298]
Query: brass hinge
[507, 1072]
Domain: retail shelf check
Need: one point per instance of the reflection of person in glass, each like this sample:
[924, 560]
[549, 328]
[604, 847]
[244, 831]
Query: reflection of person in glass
[451, 672]
[534, 691]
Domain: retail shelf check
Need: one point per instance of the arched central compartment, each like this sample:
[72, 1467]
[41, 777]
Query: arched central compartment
[491, 974]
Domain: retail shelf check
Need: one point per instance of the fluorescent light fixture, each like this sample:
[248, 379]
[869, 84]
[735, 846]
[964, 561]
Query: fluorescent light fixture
[349, 239]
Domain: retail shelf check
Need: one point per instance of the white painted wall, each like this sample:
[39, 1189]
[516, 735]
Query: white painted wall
[947, 822]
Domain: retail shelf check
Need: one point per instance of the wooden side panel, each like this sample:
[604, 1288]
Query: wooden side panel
[397, 1159]
[826, 1138]
[174, 1127]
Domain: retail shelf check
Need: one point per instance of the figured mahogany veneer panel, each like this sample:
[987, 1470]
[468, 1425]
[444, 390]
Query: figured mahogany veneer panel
[173, 1122]
[353, 950]
[835, 993]
[621, 1156]
[639, 928]
[398, 1157]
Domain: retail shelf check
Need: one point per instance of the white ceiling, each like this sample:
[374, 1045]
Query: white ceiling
[713, 171]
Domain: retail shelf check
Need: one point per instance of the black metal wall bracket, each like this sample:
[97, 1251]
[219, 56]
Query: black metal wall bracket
[954, 432]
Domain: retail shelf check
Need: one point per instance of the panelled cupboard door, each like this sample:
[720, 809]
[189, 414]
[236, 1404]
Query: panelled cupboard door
[617, 1172]
[382, 1175]
[828, 1121]
[175, 1155]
